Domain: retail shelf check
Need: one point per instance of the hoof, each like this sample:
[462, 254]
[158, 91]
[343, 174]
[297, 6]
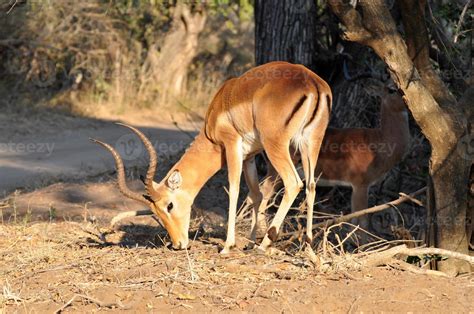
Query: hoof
[272, 234]
[249, 246]
[270, 251]
[227, 249]
[260, 250]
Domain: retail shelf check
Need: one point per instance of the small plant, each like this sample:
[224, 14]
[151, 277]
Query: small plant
[14, 205]
[52, 213]
[27, 217]
[2, 206]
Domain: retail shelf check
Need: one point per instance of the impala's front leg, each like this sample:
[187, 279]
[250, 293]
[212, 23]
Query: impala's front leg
[359, 201]
[233, 154]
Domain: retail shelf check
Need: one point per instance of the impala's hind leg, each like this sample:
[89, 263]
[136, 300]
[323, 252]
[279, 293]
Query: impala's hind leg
[309, 157]
[309, 149]
[279, 155]
[270, 184]
[251, 178]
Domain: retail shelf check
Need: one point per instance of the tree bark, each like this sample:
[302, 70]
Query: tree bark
[285, 30]
[375, 27]
[168, 67]
[418, 42]
[470, 212]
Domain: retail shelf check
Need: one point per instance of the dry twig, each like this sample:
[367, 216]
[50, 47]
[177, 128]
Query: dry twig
[99, 303]
[370, 210]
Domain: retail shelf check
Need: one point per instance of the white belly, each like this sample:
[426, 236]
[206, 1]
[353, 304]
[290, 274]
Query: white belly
[325, 182]
[251, 144]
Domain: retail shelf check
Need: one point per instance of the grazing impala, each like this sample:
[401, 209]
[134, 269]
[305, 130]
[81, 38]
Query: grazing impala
[269, 108]
[358, 157]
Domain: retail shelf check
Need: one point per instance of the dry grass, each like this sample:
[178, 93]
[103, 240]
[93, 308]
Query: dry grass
[57, 266]
[87, 58]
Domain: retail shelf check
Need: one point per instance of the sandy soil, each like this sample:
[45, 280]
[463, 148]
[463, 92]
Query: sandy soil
[49, 266]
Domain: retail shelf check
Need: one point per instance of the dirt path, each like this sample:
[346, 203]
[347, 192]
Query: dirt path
[40, 157]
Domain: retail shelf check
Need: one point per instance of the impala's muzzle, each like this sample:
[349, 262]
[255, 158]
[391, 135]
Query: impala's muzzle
[179, 238]
[181, 245]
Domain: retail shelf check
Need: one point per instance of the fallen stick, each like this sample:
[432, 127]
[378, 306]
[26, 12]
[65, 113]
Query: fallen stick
[143, 212]
[92, 300]
[417, 270]
[436, 251]
[387, 258]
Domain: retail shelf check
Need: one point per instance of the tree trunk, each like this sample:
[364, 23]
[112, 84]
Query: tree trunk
[285, 30]
[375, 27]
[169, 67]
[470, 213]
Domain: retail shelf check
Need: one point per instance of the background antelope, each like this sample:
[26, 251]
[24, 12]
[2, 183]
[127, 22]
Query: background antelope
[271, 107]
[357, 157]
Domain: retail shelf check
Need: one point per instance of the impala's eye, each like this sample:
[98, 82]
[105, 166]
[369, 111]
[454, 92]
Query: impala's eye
[170, 207]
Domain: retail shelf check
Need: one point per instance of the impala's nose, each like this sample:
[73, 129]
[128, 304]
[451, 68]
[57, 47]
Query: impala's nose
[181, 245]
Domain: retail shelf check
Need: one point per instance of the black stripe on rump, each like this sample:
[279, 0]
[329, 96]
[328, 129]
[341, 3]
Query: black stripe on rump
[296, 108]
[315, 110]
[328, 103]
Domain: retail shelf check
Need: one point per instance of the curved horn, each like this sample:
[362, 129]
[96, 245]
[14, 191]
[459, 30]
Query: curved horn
[150, 174]
[121, 175]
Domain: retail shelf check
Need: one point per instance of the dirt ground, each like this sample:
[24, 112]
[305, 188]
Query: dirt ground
[61, 255]
[46, 267]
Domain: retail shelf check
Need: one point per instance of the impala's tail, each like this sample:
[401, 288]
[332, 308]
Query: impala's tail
[316, 112]
[322, 110]
[299, 117]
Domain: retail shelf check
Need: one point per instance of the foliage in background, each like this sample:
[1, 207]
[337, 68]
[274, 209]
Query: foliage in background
[91, 56]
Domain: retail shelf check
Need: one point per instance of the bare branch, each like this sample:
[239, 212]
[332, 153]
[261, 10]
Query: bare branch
[418, 44]
[370, 210]
[461, 21]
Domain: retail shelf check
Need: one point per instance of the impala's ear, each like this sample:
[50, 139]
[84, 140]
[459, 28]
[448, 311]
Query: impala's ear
[174, 180]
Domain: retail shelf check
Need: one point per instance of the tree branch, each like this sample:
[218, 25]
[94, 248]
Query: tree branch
[418, 42]
[370, 210]
[355, 30]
